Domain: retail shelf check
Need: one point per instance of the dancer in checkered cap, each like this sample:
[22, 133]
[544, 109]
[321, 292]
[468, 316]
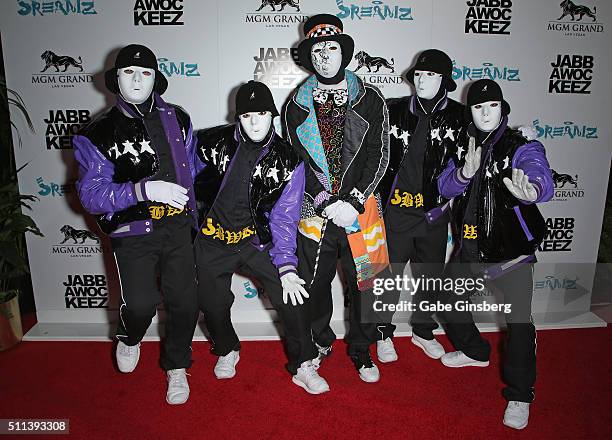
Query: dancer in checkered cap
[339, 126]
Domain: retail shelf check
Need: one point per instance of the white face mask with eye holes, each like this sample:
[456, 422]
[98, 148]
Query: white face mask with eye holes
[487, 115]
[326, 58]
[427, 83]
[256, 125]
[136, 83]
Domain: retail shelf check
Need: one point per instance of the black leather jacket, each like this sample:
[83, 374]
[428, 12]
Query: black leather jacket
[448, 129]
[217, 146]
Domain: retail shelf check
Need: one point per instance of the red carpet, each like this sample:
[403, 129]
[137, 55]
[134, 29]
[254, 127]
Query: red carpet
[416, 398]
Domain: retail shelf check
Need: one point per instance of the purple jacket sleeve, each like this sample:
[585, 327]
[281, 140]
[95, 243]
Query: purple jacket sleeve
[191, 146]
[95, 186]
[284, 219]
[531, 158]
[451, 181]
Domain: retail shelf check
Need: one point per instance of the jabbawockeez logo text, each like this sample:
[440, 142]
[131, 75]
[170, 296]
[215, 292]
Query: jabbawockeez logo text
[278, 67]
[376, 70]
[62, 125]
[61, 70]
[488, 17]
[571, 74]
[158, 13]
[276, 13]
[559, 235]
[85, 291]
[376, 9]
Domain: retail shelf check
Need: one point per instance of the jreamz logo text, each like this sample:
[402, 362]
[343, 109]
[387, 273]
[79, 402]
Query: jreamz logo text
[86, 291]
[376, 9]
[487, 71]
[559, 236]
[158, 13]
[52, 189]
[62, 125]
[488, 17]
[567, 129]
[571, 74]
[60, 71]
[51, 7]
[177, 68]
[278, 67]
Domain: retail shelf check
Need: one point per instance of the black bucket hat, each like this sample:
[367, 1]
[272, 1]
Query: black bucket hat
[434, 60]
[485, 90]
[324, 27]
[255, 96]
[135, 55]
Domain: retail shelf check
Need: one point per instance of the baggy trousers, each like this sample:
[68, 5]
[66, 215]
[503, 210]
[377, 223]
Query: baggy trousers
[361, 334]
[427, 255]
[216, 265]
[166, 252]
[519, 358]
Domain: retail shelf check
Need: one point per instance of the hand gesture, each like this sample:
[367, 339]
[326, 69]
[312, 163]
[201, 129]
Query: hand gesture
[472, 159]
[520, 186]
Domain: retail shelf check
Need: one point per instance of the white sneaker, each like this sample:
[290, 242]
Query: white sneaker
[368, 371]
[226, 365]
[324, 352]
[385, 350]
[516, 415]
[127, 357]
[308, 378]
[458, 359]
[432, 348]
[178, 388]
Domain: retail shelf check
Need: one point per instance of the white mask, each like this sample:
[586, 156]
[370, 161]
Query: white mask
[427, 83]
[136, 83]
[256, 124]
[487, 115]
[326, 58]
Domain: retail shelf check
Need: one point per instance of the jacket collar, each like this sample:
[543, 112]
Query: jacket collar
[354, 85]
[440, 105]
[128, 110]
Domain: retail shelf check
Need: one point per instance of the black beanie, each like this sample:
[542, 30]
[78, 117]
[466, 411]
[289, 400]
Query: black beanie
[135, 55]
[485, 90]
[255, 96]
[434, 60]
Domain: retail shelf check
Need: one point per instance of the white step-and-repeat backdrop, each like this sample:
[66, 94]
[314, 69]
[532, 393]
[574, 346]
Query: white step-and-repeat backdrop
[552, 60]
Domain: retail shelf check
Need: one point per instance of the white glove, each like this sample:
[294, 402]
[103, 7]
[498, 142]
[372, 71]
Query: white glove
[520, 186]
[529, 131]
[331, 210]
[346, 215]
[292, 288]
[472, 159]
[166, 192]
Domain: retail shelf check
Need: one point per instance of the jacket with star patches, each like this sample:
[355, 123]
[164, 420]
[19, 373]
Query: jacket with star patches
[276, 188]
[117, 157]
[506, 229]
[446, 133]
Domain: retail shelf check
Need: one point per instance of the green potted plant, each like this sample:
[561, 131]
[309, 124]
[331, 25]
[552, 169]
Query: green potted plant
[14, 223]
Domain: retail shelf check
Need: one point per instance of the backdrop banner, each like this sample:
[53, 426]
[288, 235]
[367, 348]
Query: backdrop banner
[550, 59]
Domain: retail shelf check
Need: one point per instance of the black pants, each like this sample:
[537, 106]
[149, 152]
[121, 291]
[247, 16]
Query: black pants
[427, 255]
[167, 251]
[335, 244]
[216, 265]
[519, 359]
